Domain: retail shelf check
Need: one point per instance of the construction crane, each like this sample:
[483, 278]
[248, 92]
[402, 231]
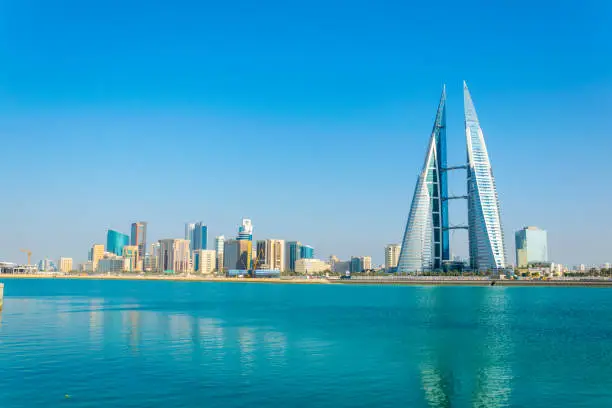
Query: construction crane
[27, 251]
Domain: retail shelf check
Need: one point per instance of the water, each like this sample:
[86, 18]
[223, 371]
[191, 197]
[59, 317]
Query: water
[84, 343]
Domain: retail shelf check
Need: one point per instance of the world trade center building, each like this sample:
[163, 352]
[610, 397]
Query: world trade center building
[426, 243]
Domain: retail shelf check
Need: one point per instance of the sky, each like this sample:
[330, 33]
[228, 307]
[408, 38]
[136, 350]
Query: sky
[309, 117]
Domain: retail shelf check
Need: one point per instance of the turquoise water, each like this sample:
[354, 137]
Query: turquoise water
[177, 344]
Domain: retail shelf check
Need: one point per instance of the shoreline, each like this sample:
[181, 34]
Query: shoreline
[324, 281]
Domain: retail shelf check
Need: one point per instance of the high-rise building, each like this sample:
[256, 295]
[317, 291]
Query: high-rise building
[204, 261]
[97, 252]
[152, 259]
[392, 252]
[139, 238]
[425, 244]
[65, 264]
[366, 263]
[245, 230]
[130, 253]
[271, 253]
[200, 237]
[115, 241]
[189, 230]
[356, 264]
[307, 252]
[220, 247]
[292, 254]
[230, 254]
[486, 238]
[531, 246]
[245, 244]
[175, 256]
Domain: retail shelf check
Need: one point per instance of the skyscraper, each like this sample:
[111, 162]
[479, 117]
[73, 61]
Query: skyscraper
[175, 256]
[200, 237]
[220, 248]
[230, 254]
[392, 252]
[425, 244]
[486, 238]
[292, 254]
[189, 229]
[245, 244]
[139, 238]
[97, 252]
[115, 241]
[271, 254]
[531, 246]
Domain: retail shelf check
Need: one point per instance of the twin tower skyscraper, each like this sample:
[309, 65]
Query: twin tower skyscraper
[426, 242]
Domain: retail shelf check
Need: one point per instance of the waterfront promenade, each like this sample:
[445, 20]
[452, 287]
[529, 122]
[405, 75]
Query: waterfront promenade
[355, 280]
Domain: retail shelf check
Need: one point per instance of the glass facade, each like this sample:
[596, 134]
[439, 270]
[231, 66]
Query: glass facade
[115, 241]
[531, 246]
[306, 252]
[486, 238]
[425, 244]
[293, 254]
[200, 237]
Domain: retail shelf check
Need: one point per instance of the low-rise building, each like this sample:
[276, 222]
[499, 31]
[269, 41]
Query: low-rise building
[65, 264]
[307, 266]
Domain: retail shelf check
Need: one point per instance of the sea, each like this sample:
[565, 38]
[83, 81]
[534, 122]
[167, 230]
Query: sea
[110, 343]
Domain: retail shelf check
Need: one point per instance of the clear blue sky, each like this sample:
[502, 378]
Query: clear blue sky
[310, 117]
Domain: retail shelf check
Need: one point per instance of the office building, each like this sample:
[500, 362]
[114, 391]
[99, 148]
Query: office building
[65, 264]
[356, 264]
[115, 241]
[309, 266]
[200, 237]
[307, 252]
[230, 254]
[204, 261]
[175, 256]
[366, 263]
[47, 265]
[271, 253]
[425, 244]
[86, 267]
[245, 244]
[130, 254]
[112, 263]
[292, 254]
[339, 266]
[531, 246]
[392, 252]
[189, 230]
[220, 248]
[139, 239]
[245, 230]
[486, 238]
[97, 252]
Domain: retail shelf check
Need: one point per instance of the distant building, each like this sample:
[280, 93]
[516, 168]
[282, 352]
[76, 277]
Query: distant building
[97, 252]
[230, 254]
[86, 267]
[189, 229]
[307, 266]
[606, 265]
[366, 263]
[200, 237]
[245, 230]
[339, 266]
[46, 265]
[115, 241]
[292, 254]
[306, 252]
[272, 254]
[245, 244]
[175, 256]
[130, 253]
[392, 252]
[112, 263]
[204, 261]
[65, 264]
[152, 260]
[220, 247]
[139, 239]
[531, 246]
[356, 264]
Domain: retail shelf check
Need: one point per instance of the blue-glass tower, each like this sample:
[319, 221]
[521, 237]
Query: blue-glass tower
[200, 237]
[115, 241]
[426, 240]
[306, 252]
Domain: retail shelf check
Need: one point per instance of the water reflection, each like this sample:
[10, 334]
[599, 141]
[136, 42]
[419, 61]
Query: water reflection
[461, 370]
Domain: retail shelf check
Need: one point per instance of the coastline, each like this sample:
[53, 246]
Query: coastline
[359, 281]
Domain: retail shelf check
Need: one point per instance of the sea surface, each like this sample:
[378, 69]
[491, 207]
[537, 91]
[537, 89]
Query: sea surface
[96, 343]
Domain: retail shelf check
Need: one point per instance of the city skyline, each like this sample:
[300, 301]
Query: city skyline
[333, 111]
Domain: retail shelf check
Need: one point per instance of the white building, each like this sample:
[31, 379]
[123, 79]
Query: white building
[307, 266]
[531, 246]
[392, 252]
[175, 256]
[366, 262]
[189, 230]
[204, 261]
[65, 264]
[219, 247]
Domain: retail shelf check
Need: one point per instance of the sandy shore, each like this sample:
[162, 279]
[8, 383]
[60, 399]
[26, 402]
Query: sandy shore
[297, 280]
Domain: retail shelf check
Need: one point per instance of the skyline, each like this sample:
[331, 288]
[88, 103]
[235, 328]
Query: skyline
[109, 127]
